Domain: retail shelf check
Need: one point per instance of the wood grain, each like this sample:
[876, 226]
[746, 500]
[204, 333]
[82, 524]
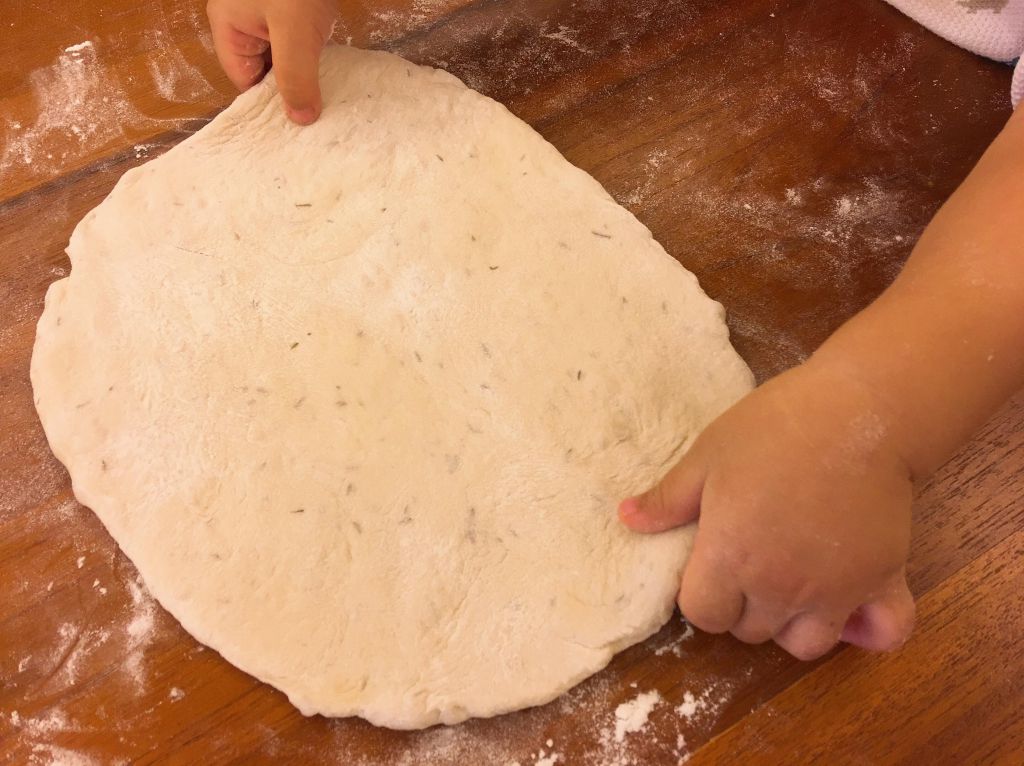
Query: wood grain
[788, 152]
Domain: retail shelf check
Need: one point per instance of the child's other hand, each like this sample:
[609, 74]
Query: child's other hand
[804, 518]
[247, 32]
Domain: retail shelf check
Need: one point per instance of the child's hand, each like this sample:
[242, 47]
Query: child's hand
[804, 518]
[247, 32]
[803, 489]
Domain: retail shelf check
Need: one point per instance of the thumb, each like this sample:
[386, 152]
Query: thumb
[672, 502]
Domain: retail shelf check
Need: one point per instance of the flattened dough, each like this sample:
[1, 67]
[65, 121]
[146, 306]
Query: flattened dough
[359, 399]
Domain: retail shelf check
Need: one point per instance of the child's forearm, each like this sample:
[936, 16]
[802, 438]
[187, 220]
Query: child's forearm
[943, 347]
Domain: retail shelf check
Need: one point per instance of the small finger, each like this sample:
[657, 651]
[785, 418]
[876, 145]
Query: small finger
[296, 46]
[708, 597]
[241, 55]
[811, 634]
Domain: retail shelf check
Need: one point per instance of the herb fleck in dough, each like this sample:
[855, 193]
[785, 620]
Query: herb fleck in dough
[359, 399]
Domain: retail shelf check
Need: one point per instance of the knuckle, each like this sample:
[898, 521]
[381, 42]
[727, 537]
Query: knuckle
[751, 635]
[807, 651]
[700, 616]
[807, 647]
[810, 637]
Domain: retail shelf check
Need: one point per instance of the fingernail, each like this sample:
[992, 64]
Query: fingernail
[304, 116]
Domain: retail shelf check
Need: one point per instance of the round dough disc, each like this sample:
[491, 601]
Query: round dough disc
[359, 399]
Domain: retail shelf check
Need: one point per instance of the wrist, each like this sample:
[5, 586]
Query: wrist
[875, 423]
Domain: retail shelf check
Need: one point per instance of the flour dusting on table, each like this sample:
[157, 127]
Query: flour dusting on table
[85, 103]
[139, 631]
[675, 645]
[75, 99]
[52, 755]
[80, 651]
[176, 79]
[86, 643]
[631, 717]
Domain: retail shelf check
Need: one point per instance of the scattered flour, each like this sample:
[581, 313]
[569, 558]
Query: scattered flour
[390, 24]
[52, 723]
[631, 717]
[67, 634]
[690, 706]
[74, 652]
[87, 642]
[537, 62]
[443, 746]
[707, 703]
[637, 196]
[139, 631]
[82, 107]
[863, 220]
[175, 79]
[675, 646]
[615, 745]
[611, 733]
[567, 36]
[68, 94]
[547, 759]
[657, 158]
[51, 755]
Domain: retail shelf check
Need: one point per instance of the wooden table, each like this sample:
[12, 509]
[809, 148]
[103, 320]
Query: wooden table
[789, 152]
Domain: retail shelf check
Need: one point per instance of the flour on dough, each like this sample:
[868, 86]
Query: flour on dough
[359, 399]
